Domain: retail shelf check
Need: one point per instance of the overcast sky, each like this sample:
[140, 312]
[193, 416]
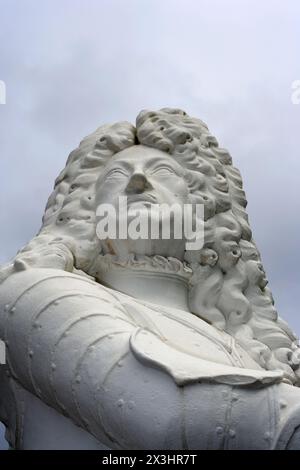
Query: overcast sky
[72, 65]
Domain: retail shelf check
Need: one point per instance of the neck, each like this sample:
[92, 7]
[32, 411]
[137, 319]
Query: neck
[163, 288]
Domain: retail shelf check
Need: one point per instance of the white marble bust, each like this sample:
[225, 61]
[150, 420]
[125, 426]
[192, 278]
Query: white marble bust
[134, 344]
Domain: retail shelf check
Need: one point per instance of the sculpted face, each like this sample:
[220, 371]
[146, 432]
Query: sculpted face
[142, 174]
[145, 176]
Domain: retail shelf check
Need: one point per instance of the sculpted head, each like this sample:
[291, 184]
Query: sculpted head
[169, 157]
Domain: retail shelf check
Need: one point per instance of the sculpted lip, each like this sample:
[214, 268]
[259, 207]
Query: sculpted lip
[141, 198]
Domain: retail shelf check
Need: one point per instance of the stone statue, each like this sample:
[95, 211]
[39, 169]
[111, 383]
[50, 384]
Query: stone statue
[142, 344]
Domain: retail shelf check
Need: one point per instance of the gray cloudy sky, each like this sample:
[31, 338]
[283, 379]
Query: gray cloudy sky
[72, 65]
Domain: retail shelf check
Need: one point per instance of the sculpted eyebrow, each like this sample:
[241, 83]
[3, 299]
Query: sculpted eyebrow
[156, 162]
[159, 163]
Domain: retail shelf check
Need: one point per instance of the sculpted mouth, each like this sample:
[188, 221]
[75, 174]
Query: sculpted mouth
[149, 198]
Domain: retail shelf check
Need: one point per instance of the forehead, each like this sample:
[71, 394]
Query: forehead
[140, 154]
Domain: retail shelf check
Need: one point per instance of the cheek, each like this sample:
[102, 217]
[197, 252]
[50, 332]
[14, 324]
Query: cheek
[178, 187]
[173, 188]
[110, 190]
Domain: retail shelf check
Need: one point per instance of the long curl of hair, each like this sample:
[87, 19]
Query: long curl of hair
[228, 287]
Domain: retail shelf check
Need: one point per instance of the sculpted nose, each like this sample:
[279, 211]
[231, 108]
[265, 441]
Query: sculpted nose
[138, 184]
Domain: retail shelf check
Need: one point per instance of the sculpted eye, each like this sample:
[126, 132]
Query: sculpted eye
[163, 171]
[116, 173]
